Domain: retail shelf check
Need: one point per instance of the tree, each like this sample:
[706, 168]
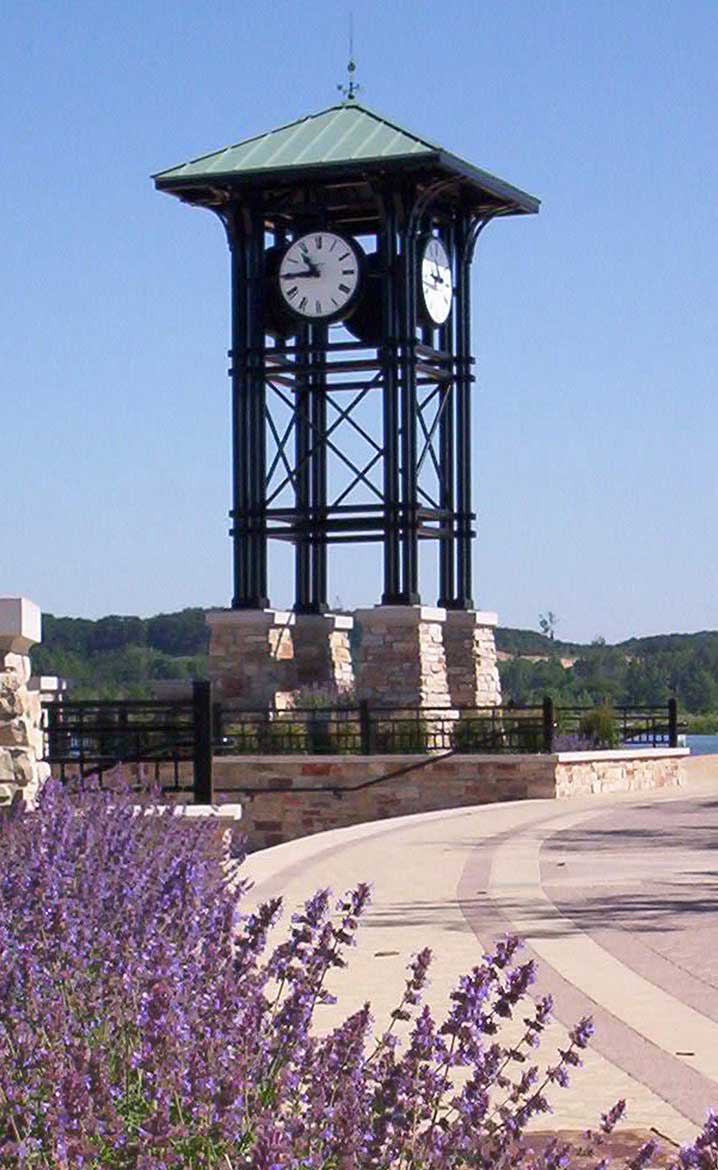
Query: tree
[547, 624]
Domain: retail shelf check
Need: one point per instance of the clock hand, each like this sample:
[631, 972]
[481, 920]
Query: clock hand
[299, 275]
[312, 263]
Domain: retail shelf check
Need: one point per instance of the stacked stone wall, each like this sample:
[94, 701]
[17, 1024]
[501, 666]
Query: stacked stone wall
[616, 772]
[22, 770]
[283, 798]
[401, 659]
[472, 666]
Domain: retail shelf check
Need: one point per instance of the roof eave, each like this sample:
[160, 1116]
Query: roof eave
[505, 192]
[516, 201]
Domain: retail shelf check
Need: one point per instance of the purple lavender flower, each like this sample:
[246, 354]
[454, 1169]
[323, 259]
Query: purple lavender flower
[146, 1023]
[582, 1032]
[610, 1119]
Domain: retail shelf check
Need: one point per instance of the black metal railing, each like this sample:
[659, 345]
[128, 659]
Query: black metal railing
[377, 730]
[171, 743]
[632, 726]
[92, 737]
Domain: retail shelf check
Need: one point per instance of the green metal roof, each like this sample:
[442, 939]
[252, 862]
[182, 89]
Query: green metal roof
[344, 135]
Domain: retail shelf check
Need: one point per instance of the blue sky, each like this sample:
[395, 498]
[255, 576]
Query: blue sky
[595, 322]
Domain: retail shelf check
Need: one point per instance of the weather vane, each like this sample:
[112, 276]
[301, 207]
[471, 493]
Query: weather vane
[350, 89]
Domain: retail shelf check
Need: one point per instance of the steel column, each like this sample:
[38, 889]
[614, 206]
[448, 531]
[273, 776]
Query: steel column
[464, 584]
[409, 589]
[389, 356]
[318, 409]
[447, 549]
[303, 440]
[240, 419]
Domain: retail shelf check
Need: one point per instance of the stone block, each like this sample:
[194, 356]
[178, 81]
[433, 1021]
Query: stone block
[24, 767]
[11, 704]
[7, 767]
[17, 733]
[20, 625]
[15, 664]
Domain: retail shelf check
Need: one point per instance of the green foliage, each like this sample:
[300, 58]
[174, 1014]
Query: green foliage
[702, 724]
[472, 735]
[120, 657]
[599, 727]
[640, 672]
[403, 736]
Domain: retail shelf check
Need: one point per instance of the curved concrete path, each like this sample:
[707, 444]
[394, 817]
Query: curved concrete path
[615, 897]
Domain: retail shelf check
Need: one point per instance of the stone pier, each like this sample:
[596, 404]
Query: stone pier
[251, 656]
[401, 659]
[259, 659]
[22, 769]
[471, 664]
[322, 652]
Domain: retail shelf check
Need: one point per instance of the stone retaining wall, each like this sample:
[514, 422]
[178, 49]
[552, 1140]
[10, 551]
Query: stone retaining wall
[283, 798]
[22, 771]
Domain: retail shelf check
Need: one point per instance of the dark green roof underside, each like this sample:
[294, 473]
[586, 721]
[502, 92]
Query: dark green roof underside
[344, 138]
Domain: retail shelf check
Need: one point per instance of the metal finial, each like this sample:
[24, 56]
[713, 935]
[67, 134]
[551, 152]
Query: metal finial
[351, 88]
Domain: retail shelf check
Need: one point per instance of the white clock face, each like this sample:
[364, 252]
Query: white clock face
[319, 275]
[436, 287]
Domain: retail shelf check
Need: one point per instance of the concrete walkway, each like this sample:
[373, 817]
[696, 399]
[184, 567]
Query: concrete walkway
[614, 896]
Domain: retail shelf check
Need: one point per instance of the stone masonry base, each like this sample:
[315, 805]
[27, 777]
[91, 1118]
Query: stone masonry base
[407, 655]
[401, 660]
[260, 658]
[471, 665]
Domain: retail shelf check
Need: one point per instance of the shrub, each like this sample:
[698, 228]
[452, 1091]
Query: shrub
[145, 1024]
[404, 736]
[599, 727]
[478, 734]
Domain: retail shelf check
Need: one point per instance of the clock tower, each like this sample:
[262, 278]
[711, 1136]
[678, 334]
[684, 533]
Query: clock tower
[351, 241]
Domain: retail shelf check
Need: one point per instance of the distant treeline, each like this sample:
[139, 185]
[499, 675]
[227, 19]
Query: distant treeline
[123, 656]
[638, 671]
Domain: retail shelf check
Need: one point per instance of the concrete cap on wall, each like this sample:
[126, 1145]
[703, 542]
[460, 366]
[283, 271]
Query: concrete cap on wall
[20, 624]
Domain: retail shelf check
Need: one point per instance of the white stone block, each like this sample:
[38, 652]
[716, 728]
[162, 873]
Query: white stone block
[47, 684]
[486, 617]
[20, 624]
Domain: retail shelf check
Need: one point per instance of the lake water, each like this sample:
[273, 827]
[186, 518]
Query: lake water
[702, 745]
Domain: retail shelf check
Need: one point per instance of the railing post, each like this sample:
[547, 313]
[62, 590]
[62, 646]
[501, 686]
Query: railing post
[202, 727]
[672, 723]
[548, 723]
[217, 723]
[365, 730]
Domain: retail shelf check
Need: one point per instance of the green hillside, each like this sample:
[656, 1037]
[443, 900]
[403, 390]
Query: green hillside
[122, 656]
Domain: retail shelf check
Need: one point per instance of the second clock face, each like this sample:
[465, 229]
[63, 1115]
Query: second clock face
[436, 286]
[319, 276]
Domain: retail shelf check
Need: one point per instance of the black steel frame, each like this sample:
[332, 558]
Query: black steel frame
[294, 400]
